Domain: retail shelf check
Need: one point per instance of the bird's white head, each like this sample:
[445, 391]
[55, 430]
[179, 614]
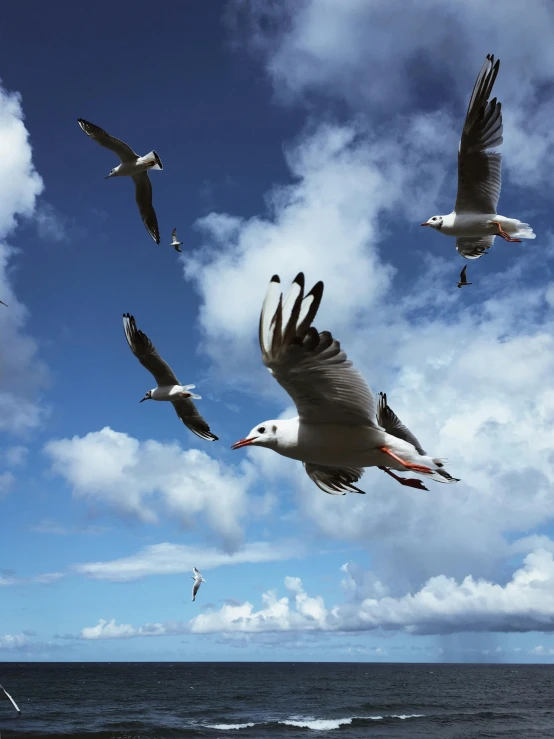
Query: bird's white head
[148, 396]
[434, 222]
[114, 172]
[266, 434]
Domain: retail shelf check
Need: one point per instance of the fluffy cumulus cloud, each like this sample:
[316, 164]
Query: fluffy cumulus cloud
[22, 374]
[357, 50]
[170, 559]
[442, 606]
[144, 479]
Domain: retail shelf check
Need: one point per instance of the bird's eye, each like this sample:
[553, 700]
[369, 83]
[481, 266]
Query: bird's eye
[261, 430]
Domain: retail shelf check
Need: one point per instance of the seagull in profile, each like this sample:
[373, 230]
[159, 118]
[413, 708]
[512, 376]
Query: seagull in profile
[8, 696]
[168, 386]
[176, 244]
[132, 165]
[474, 221]
[339, 429]
[463, 279]
[198, 580]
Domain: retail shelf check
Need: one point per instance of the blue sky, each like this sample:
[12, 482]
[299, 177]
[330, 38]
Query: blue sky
[311, 136]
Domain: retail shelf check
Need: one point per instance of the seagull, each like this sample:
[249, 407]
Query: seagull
[1, 301]
[339, 429]
[174, 241]
[132, 165]
[169, 387]
[8, 696]
[474, 221]
[463, 279]
[198, 580]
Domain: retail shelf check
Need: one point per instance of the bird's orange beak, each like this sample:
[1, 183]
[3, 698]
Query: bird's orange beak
[243, 442]
[425, 224]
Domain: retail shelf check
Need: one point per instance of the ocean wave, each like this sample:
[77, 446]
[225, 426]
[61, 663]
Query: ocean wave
[318, 724]
[410, 715]
[231, 727]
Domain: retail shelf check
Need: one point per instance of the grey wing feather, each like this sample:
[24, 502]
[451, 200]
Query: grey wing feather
[123, 150]
[145, 351]
[143, 196]
[174, 234]
[195, 588]
[479, 170]
[189, 415]
[334, 480]
[388, 419]
[309, 365]
[473, 247]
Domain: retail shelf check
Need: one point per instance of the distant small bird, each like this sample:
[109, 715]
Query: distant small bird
[463, 279]
[174, 241]
[132, 165]
[474, 221]
[8, 696]
[169, 387]
[198, 580]
[1, 301]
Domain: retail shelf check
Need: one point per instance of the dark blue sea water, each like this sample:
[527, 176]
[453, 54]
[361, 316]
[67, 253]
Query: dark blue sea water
[259, 701]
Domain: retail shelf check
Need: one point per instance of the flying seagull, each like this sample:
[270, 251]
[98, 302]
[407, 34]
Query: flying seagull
[198, 580]
[8, 696]
[1, 301]
[174, 242]
[474, 221]
[132, 165]
[463, 279]
[338, 430]
[168, 386]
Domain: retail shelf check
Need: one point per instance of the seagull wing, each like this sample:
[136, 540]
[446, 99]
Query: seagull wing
[473, 247]
[145, 351]
[174, 235]
[479, 170]
[189, 415]
[388, 419]
[8, 696]
[196, 588]
[1, 301]
[196, 572]
[334, 480]
[309, 365]
[463, 277]
[143, 196]
[123, 151]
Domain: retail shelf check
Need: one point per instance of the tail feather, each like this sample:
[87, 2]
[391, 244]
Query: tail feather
[152, 156]
[524, 231]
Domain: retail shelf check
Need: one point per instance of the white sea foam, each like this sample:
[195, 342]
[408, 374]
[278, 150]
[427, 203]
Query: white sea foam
[230, 727]
[411, 715]
[317, 724]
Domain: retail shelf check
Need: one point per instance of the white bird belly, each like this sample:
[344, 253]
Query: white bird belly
[130, 169]
[473, 224]
[169, 392]
[349, 446]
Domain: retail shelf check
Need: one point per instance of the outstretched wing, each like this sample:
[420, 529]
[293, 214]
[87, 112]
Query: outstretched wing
[8, 696]
[189, 415]
[388, 419]
[479, 169]
[334, 480]
[123, 150]
[145, 351]
[471, 247]
[311, 366]
[143, 196]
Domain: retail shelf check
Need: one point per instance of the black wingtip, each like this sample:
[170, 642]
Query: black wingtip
[276, 279]
[299, 279]
[317, 290]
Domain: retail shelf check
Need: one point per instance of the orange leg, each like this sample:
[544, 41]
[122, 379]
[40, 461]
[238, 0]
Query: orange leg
[503, 233]
[410, 482]
[408, 465]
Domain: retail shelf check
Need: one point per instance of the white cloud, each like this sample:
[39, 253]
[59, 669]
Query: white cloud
[7, 481]
[22, 374]
[15, 456]
[51, 225]
[13, 641]
[359, 51]
[45, 579]
[170, 559]
[142, 478]
[442, 606]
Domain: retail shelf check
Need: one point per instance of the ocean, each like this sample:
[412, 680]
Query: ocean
[272, 700]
